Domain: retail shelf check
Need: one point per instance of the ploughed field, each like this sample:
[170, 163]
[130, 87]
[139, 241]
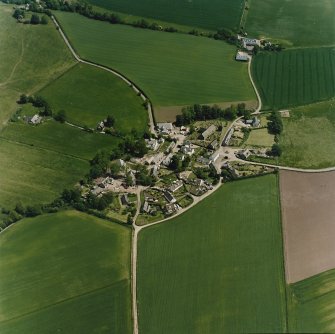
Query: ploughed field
[65, 273]
[218, 268]
[308, 220]
[213, 14]
[294, 23]
[88, 94]
[172, 69]
[28, 59]
[295, 77]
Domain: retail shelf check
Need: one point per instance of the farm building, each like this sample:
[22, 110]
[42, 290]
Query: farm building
[208, 132]
[228, 137]
[146, 207]
[214, 157]
[36, 119]
[242, 56]
[165, 128]
[251, 42]
[214, 144]
[255, 122]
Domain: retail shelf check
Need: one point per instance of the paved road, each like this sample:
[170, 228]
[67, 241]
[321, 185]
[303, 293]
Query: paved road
[255, 88]
[136, 89]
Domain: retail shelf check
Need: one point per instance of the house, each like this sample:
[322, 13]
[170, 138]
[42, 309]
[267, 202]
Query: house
[256, 122]
[166, 162]
[199, 182]
[245, 154]
[214, 157]
[165, 128]
[175, 186]
[133, 178]
[152, 144]
[250, 42]
[154, 171]
[228, 137]
[169, 197]
[242, 56]
[146, 208]
[187, 149]
[171, 208]
[214, 145]
[36, 119]
[208, 132]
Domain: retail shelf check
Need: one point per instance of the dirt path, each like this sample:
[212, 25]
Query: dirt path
[255, 88]
[136, 89]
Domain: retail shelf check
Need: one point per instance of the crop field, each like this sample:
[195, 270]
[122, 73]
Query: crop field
[213, 14]
[295, 77]
[312, 304]
[24, 67]
[294, 23]
[88, 94]
[218, 268]
[172, 69]
[67, 272]
[308, 223]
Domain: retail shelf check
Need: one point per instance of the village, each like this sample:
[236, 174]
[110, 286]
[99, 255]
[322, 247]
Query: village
[186, 163]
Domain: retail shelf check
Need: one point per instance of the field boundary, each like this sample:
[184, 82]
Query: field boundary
[137, 90]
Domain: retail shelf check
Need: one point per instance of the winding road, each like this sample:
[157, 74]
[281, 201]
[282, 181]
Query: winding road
[136, 89]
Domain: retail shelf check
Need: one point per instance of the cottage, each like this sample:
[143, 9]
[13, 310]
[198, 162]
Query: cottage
[169, 197]
[208, 132]
[36, 119]
[175, 186]
[165, 128]
[242, 56]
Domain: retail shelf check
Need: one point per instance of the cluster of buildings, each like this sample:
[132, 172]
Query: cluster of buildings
[248, 47]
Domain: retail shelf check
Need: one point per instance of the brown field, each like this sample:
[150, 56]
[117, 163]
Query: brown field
[308, 210]
[168, 114]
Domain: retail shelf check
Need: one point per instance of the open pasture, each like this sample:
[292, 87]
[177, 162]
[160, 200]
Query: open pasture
[213, 14]
[88, 94]
[218, 268]
[295, 77]
[31, 56]
[294, 23]
[67, 272]
[172, 69]
[312, 304]
[308, 221]
[260, 137]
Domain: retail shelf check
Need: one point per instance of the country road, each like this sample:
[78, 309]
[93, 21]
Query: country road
[136, 89]
[257, 111]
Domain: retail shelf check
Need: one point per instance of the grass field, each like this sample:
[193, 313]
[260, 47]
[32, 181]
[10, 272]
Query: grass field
[218, 268]
[30, 57]
[172, 69]
[88, 95]
[37, 163]
[65, 273]
[297, 23]
[312, 304]
[211, 14]
[295, 77]
[260, 137]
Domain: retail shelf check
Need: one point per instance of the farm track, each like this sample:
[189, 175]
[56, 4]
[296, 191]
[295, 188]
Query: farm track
[136, 89]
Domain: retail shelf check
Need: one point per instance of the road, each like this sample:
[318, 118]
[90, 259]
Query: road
[255, 88]
[129, 83]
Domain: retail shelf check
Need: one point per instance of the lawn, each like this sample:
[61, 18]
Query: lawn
[172, 69]
[31, 56]
[65, 273]
[312, 304]
[295, 77]
[213, 14]
[88, 94]
[297, 23]
[218, 268]
[260, 137]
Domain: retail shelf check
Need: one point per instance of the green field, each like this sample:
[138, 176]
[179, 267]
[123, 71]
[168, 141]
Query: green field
[218, 268]
[295, 77]
[30, 57]
[312, 304]
[260, 137]
[88, 95]
[172, 69]
[213, 14]
[37, 163]
[297, 23]
[65, 273]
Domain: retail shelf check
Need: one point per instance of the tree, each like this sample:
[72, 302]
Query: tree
[114, 169]
[275, 124]
[110, 121]
[23, 99]
[176, 163]
[60, 116]
[33, 211]
[35, 19]
[276, 150]
[44, 20]
[20, 209]
[18, 13]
